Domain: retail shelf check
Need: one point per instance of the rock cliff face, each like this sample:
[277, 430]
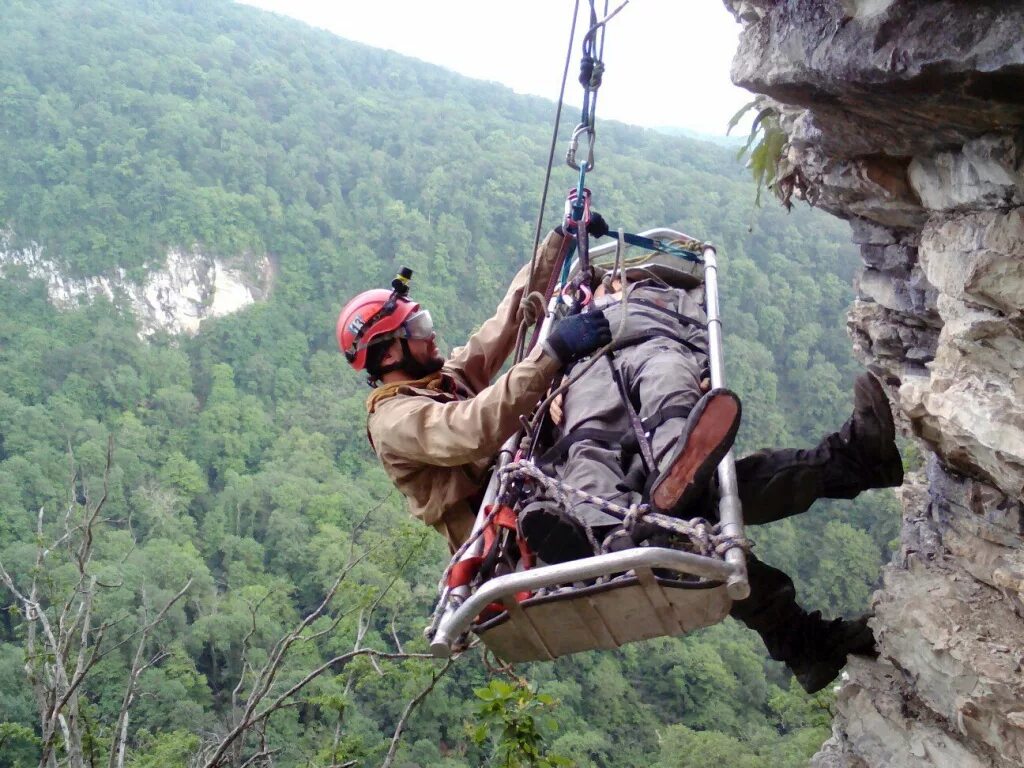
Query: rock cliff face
[189, 288]
[906, 117]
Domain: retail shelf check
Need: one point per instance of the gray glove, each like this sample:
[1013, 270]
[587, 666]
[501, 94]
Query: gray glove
[577, 336]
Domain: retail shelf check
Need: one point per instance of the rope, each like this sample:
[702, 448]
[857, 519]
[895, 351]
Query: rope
[706, 539]
[579, 370]
[533, 306]
[551, 160]
[592, 71]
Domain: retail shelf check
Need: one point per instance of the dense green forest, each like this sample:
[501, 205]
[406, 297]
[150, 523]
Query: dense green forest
[238, 467]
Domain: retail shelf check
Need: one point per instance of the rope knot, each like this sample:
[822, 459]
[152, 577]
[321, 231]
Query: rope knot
[532, 307]
[726, 543]
[586, 70]
[633, 516]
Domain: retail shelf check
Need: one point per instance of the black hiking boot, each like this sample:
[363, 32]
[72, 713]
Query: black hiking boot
[813, 648]
[863, 453]
[828, 643]
[708, 435]
[553, 535]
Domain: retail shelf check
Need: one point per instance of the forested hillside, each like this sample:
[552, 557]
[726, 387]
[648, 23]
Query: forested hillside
[239, 465]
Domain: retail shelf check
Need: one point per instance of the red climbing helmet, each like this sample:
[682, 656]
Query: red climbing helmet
[364, 321]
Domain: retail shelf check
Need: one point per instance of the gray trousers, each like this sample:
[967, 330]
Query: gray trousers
[657, 375]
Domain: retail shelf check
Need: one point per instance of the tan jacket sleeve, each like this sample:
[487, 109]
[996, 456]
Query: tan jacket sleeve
[452, 434]
[486, 351]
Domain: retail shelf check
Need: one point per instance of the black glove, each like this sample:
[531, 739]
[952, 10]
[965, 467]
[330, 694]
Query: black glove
[598, 227]
[577, 336]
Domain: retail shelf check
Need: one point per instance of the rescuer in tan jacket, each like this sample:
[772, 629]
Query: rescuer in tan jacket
[437, 424]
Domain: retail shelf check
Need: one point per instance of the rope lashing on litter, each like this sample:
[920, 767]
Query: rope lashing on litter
[633, 516]
[706, 538]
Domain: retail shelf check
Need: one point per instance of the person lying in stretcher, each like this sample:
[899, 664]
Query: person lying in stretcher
[656, 378]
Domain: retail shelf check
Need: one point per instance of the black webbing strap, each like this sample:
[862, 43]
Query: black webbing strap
[607, 437]
[490, 558]
[646, 453]
[651, 423]
[640, 338]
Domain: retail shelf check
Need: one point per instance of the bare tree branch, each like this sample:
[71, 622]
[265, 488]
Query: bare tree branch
[118, 748]
[415, 702]
[262, 700]
[64, 644]
[261, 755]
[281, 700]
[246, 667]
[394, 635]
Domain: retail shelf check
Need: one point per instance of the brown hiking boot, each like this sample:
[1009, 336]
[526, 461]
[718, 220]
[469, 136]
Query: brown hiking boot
[709, 433]
[864, 453]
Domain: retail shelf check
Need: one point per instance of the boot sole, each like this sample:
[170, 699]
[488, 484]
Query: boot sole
[706, 445]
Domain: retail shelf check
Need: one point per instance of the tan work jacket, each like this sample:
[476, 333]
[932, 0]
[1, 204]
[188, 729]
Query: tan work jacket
[436, 442]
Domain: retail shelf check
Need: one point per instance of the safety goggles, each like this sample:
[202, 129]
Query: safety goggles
[417, 326]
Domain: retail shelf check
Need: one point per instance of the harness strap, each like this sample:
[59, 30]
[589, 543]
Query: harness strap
[496, 536]
[608, 438]
[640, 338]
[646, 453]
[463, 572]
[664, 247]
[651, 423]
[605, 437]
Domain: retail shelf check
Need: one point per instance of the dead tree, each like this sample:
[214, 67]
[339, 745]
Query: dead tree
[258, 694]
[64, 641]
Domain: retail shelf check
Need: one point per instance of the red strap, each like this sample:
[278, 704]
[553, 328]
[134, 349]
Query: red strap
[526, 555]
[506, 518]
[490, 534]
[463, 571]
[563, 250]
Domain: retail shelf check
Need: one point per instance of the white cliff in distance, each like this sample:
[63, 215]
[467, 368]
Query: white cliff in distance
[189, 288]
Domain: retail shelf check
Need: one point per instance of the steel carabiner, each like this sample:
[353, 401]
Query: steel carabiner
[574, 145]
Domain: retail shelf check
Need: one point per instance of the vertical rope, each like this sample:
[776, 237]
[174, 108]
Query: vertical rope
[547, 174]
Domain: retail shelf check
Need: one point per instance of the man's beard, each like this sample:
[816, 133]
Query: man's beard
[419, 370]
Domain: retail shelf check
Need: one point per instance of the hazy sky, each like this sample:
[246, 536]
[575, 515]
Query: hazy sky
[667, 61]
